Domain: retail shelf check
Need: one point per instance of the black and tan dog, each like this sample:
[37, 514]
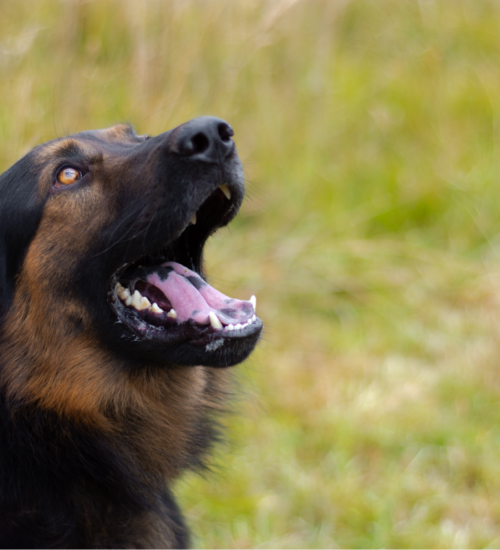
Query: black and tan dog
[111, 341]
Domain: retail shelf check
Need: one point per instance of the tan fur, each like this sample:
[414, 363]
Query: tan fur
[70, 374]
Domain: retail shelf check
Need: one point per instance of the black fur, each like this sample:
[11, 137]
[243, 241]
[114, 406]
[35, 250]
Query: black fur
[85, 462]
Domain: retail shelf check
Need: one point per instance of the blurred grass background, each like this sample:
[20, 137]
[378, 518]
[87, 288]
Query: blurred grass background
[369, 131]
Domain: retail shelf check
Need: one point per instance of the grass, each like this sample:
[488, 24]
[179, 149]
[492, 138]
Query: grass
[369, 416]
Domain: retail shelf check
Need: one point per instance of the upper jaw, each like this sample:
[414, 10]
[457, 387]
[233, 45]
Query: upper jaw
[228, 195]
[216, 210]
[205, 209]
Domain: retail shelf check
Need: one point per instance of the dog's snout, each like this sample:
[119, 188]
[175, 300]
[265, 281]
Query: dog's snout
[205, 138]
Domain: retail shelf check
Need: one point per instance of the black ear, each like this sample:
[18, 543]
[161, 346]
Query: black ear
[20, 213]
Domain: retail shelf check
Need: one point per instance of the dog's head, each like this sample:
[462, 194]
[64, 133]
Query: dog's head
[102, 233]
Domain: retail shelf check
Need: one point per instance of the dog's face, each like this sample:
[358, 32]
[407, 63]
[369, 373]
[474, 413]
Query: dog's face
[102, 233]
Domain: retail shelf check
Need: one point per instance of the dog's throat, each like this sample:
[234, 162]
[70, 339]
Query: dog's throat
[171, 294]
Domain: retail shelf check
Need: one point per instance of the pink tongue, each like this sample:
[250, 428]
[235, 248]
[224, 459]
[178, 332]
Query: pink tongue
[193, 298]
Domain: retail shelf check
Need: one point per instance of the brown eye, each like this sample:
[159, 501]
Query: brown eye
[68, 175]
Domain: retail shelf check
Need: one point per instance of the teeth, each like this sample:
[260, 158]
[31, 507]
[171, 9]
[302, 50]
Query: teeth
[214, 320]
[239, 326]
[139, 301]
[122, 292]
[136, 299]
[225, 189]
[155, 308]
[193, 219]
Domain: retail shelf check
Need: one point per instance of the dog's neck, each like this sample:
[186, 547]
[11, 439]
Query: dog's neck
[159, 409]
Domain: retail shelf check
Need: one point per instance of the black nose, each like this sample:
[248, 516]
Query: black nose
[205, 138]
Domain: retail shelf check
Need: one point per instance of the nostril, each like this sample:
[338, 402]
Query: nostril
[206, 139]
[225, 131]
[200, 143]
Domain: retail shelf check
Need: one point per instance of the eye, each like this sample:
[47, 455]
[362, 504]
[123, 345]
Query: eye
[67, 176]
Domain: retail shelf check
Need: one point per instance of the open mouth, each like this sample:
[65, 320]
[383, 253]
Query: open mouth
[164, 299]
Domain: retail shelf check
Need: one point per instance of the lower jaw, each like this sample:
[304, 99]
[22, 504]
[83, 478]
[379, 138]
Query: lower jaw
[189, 332]
[216, 352]
[188, 346]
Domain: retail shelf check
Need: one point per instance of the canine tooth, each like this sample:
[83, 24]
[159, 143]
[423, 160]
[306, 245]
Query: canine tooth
[145, 303]
[253, 301]
[225, 189]
[136, 300]
[193, 219]
[155, 308]
[214, 320]
[128, 301]
[172, 314]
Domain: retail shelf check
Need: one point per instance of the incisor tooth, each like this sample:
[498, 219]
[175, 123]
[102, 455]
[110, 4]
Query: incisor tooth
[253, 301]
[128, 301]
[214, 320]
[155, 308]
[225, 189]
[172, 314]
[193, 219]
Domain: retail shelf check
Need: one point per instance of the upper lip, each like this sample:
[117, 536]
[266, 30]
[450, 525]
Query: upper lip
[187, 245]
[227, 213]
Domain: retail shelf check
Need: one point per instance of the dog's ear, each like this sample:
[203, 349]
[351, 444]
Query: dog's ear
[20, 212]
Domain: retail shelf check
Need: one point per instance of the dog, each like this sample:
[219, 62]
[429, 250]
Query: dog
[113, 346]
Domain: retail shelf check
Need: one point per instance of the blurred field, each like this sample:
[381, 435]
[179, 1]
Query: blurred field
[369, 416]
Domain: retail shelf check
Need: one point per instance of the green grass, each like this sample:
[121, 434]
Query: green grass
[369, 131]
